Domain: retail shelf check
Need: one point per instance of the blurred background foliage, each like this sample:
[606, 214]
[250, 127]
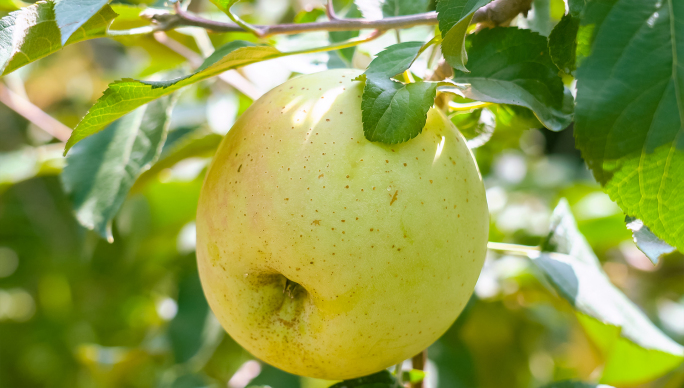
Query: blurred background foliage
[77, 311]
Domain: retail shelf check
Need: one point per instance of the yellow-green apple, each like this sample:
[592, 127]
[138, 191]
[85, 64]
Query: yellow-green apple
[330, 256]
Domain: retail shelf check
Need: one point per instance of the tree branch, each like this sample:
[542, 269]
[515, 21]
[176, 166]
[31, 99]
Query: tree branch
[185, 18]
[34, 114]
[493, 14]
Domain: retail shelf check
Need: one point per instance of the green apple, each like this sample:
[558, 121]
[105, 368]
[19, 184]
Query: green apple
[330, 256]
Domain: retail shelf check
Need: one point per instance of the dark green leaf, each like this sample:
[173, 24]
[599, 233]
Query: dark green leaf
[41, 29]
[630, 109]
[563, 43]
[101, 171]
[382, 379]
[128, 94]
[454, 18]
[573, 384]
[576, 7]
[394, 60]
[513, 66]
[646, 241]
[391, 111]
[634, 348]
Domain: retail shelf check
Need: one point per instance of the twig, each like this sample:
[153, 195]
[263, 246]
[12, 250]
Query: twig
[184, 18]
[34, 114]
[499, 12]
[495, 13]
[330, 11]
[230, 77]
[418, 362]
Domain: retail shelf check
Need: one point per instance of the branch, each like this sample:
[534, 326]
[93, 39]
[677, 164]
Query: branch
[230, 77]
[185, 18]
[499, 12]
[493, 14]
[34, 114]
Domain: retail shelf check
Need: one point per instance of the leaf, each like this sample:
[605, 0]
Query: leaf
[310, 15]
[382, 379]
[43, 28]
[391, 111]
[72, 14]
[196, 144]
[513, 66]
[476, 126]
[187, 326]
[454, 17]
[128, 94]
[346, 55]
[635, 350]
[563, 43]
[12, 5]
[573, 384]
[377, 9]
[101, 171]
[646, 241]
[630, 109]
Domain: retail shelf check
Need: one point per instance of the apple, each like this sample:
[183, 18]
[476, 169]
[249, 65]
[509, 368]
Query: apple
[330, 256]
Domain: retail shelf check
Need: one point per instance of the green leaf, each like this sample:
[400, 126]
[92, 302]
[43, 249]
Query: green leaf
[101, 171]
[513, 66]
[41, 29]
[12, 5]
[646, 241]
[346, 55]
[309, 16]
[188, 329]
[635, 350]
[377, 9]
[72, 14]
[454, 18]
[128, 94]
[574, 384]
[382, 379]
[391, 111]
[563, 43]
[197, 144]
[630, 109]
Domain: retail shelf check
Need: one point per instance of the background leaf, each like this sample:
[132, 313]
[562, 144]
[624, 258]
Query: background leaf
[128, 94]
[382, 379]
[646, 241]
[41, 29]
[454, 18]
[513, 66]
[574, 384]
[630, 109]
[101, 171]
[563, 43]
[634, 348]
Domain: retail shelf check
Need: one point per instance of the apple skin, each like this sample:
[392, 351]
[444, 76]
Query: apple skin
[385, 242]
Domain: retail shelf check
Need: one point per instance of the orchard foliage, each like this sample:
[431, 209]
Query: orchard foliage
[608, 71]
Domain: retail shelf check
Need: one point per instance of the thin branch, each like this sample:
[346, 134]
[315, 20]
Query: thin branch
[330, 11]
[230, 77]
[34, 114]
[184, 18]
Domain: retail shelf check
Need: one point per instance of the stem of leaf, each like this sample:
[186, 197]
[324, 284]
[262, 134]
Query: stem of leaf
[454, 106]
[397, 374]
[515, 249]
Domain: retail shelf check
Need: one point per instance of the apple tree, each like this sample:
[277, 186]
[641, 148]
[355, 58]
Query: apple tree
[573, 110]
